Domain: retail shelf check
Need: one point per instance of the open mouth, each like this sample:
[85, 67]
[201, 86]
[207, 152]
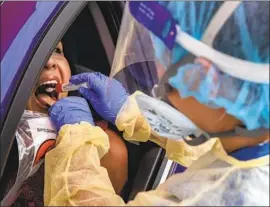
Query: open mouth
[46, 90]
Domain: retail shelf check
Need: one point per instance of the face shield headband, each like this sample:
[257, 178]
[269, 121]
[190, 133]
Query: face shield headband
[170, 33]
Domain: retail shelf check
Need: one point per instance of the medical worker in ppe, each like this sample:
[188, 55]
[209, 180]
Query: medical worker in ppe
[214, 57]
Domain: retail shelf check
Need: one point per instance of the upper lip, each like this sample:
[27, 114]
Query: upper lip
[42, 80]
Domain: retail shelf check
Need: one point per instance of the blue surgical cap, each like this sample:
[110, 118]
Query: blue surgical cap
[245, 35]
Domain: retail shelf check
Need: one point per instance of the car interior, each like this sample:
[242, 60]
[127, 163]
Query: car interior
[89, 46]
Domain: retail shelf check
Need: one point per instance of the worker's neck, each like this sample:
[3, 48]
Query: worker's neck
[231, 144]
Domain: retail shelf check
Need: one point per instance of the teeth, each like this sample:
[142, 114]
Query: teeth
[49, 90]
[49, 82]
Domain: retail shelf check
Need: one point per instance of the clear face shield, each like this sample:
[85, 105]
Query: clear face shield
[145, 60]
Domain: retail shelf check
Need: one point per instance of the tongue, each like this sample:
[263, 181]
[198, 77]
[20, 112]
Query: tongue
[46, 100]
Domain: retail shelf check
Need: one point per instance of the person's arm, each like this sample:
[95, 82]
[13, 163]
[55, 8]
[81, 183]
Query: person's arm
[73, 174]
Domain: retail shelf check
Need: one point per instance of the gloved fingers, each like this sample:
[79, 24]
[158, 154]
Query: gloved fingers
[55, 113]
[106, 102]
[96, 81]
[65, 103]
[89, 94]
[70, 110]
[72, 100]
[80, 78]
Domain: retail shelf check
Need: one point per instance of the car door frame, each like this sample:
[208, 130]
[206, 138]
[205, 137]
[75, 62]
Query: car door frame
[51, 37]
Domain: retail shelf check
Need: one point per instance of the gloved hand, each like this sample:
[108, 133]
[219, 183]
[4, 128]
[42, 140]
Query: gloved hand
[106, 103]
[70, 110]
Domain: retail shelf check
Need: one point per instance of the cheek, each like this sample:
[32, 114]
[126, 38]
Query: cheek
[32, 105]
[65, 71]
[208, 119]
[29, 103]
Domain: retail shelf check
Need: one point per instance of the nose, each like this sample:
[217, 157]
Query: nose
[50, 64]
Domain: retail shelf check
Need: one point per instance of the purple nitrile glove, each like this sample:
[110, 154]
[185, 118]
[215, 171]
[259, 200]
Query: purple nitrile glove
[70, 110]
[105, 94]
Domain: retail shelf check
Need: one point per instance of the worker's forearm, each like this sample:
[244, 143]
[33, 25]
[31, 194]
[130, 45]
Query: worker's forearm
[73, 175]
[131, 121]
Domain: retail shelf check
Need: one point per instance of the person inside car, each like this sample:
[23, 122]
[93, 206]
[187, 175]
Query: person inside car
[57, 70]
